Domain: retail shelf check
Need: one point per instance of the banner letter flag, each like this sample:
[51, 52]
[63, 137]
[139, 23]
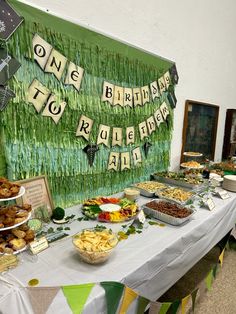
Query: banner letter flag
[154, 90]
[174, 307]
[108, 92]
[146, 147]
[130, 138]
[215, 270]
[113, 162]
[143, 130]
[74, 75]
[194, 296]
[128, 97]
[142, 304]
[128, 298]
[103, 134]
[125, 160]
[164, 110]
[174, 74]
[151, 125]
[84, 128]
[184, 302]
[5, 95]
[8, 66]
[158, 307]
[162, 85]
[171, 97]
[221, 257]
[53, 109]
[145, 94]
[118, 96]
[167, 79]
[137, 97]
[41, 298]
[113, 292]
[77, 296]
[37, 95]
[137, 155]
[158, 117]
[56, 64]
[117, 136]
[42, 50]
[209, 280]
[91, 150]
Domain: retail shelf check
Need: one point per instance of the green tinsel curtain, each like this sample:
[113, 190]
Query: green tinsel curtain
[35, 145]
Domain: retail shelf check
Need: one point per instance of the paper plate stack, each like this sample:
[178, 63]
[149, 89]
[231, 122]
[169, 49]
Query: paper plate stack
[229, 182]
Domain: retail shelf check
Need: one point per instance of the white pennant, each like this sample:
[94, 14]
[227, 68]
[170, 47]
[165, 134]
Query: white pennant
[145, 94]
[128, 97]
[164, 110]
[154, 90]
[84, 127]
[37, 94]
[56, 64]
[41, 49]
[53, 109]
[158, 117]
[137, 96]
[117, 136]
[143, 130]
[113, 162]
[108, 92]
[74, 75]
[130, 136]
[103, 134]
[162, 85]
[118, 96]
[125, 161]
[137, 155]
[151, 125]
[167, 79]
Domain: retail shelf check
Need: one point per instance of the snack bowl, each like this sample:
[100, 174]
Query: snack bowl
[95, 245]
[131, 194]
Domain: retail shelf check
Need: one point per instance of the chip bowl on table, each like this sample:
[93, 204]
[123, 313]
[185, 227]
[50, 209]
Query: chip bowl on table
[95, 246]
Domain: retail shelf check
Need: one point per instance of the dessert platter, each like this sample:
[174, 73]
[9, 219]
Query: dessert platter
[110, 209]
[10, 190]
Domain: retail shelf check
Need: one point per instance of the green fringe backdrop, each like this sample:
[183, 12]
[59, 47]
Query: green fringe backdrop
[33, 145]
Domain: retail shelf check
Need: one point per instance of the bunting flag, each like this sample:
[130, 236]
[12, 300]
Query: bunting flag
[162, 84]
[37, 95]
[74, 75]
[113, 293]
[142, 304]
[155, 307]
[41, 298]
[124, 161]
[164, 110]
[128, 97]
[215, 270]
[174, 74]
[209, 280]
[130, 136]
[56, 64]
[154, 90]
[8, 66]
[143, 131]
[174, 307]
[113, 162]
[117, 137]
[151, 125]
[53, 109]
[137, 97]
[221, 257]
[167, 79]
[108, 92]
[103, 135]
[91, 150]
[128, 298]
[145, 94]
[146, 148]
[194, 296]
[41, 50]
[137, 156]
[158, 117]
[84, 127]
[5, 95]
[76, 296]
[118, 96]
[184, 302]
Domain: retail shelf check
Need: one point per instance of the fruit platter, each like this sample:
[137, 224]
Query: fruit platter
[110, 209]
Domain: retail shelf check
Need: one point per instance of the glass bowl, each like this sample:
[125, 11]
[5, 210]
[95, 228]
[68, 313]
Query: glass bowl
[94, 246]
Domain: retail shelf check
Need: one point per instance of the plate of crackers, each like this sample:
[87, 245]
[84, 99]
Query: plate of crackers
[12, 216]
[10, 190]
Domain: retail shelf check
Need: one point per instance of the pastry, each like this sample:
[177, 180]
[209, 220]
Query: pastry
[17, 244]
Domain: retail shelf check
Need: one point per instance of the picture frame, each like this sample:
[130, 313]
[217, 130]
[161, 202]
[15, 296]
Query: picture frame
[37, 194]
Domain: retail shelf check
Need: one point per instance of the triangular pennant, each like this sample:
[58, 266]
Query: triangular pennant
[208, 280]
[194, 295]
[174, 307]
[184, 302]
[41, 298]
[221, 257]
[77, 295]
[155, 307]
[5, 95]
[142, 304]
[91, 150]
[164, 308]
[113, 291]
[128, 298]
[215, 270]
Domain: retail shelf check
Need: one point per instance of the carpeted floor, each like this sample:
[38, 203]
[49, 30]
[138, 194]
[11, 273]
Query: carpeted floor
[221, 299]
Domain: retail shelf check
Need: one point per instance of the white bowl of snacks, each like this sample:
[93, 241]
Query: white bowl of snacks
[95, 245]
[131, 194]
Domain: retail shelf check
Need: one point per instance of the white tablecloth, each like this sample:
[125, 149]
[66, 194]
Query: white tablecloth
[149, 262]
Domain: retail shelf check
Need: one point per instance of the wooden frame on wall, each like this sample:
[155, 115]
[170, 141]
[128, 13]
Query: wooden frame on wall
[204, 119]
[37, 193]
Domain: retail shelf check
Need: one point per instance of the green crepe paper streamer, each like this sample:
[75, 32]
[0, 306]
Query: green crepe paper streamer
[209, 280]
[76, 296]
[174, 307]
[142, 304]
[194, 295]
[113, 292]
[164, 308]
[215, 270]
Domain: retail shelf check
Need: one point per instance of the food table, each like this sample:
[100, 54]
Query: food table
[149, 262]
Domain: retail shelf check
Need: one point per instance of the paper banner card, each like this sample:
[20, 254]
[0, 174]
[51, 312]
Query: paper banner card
[37, 95]
[118, 96]
[167, 79]
[164, 110]
[103, 135]
[41, 298]
[9, 21]
[108, 92]
[143, 131]
[158, 117]
[137, 97]
[124, 161]
[5, 95]
[42, 50]
[154, 90]
[116, 136]
[130, 137]
[145, 94]
[56, 64]
[54, 109]
[151, 125]
[113, 162]
[162, 84]
[137, 156]
[8, 66]
[74, 75]
[128, 97]
[84, 127]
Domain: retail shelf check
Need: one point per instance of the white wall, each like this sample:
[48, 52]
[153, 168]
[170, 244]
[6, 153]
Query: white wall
[199, 35]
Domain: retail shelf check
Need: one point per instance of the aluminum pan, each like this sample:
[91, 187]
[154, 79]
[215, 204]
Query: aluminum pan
[177, 182]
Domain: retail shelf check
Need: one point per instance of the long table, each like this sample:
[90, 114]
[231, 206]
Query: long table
[149, 263]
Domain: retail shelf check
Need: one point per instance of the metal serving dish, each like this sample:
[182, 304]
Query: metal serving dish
[183, 203]
[149, 192]
[178, 182]
[165, 217]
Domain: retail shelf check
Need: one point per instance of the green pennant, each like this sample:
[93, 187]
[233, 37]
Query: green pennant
[142, 303]
[113, 291]
[208, 280]
[215, 270]
[77, 295]
[174, 306]
[194, 295]
[164, 308]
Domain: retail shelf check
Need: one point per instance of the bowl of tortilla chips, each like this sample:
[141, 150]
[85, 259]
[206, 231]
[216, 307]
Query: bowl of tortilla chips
[95, 245]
